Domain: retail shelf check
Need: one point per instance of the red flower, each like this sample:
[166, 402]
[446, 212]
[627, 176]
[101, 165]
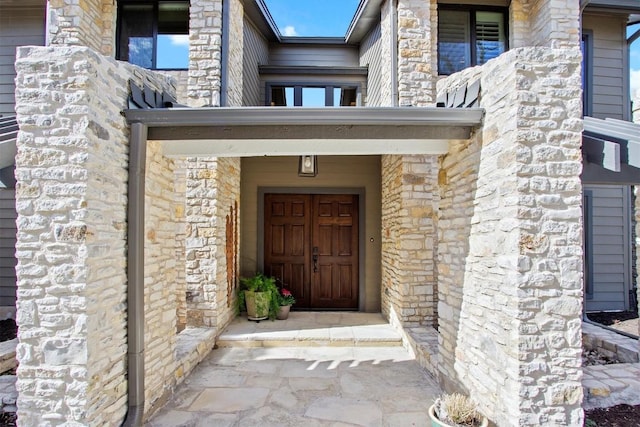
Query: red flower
[285, 292]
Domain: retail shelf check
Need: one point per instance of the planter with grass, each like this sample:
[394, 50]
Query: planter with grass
[456, 410]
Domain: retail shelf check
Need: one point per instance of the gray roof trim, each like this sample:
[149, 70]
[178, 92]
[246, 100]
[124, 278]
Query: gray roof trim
[367, 15]
[312, 70]
[612, 128]
[259, 14]
[629, 6]
[279, 116]
[312, 40]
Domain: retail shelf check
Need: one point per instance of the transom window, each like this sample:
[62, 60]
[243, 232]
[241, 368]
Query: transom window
[469, 36]
[154, 34]
[312, 96]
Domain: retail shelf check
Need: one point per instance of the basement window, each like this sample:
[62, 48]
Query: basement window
[469, 36]
[154, 35]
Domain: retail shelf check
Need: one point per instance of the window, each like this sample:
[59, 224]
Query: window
[312, 96]
[586, 44]
[469, 36]
[154, 34]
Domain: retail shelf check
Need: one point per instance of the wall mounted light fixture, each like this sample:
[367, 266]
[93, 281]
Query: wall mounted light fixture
[308, 166]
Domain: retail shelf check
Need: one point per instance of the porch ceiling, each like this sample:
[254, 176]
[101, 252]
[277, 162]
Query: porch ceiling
[259, 131]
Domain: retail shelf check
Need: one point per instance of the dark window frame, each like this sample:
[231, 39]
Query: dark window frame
[472, 9]
[156, 12]
[298, 86]
[587, 214]
[587, 72]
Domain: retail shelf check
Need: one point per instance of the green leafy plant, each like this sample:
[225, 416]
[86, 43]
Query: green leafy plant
[285, 297]
[259, 283]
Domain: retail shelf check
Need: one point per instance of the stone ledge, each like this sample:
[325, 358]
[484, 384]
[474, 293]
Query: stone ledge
[610, 344]
[8, 393]
[192, 345]
[8, 355]
[424, 343]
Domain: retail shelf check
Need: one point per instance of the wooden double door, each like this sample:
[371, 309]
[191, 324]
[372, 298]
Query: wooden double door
[311, 246]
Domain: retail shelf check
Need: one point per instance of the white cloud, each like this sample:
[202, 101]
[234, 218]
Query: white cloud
[180, 39]
[290, 31]
[634, 78]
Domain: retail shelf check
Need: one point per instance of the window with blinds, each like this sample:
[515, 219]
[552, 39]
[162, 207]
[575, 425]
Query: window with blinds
[469, 37]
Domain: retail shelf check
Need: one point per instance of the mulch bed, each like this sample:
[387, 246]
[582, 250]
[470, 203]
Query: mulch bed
[7, 419]
[616, 416]
[609, 319]
[8, 330]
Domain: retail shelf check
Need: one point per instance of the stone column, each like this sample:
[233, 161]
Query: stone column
[71, 197]
[554, 23]
[90, 23]
[417, 52]
[409, 206]
[510, 249]
[213, 189]
[205, 44]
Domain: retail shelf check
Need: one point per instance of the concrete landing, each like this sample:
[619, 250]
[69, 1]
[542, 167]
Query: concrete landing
[312, 329]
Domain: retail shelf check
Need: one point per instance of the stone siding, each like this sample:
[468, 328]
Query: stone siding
[554, 23]
[71, 194]
[417, 47]
[180, 194]
[88, 23]
[409, 206]
[213, 189]
[205, 44]
[159, 279]
[510, 244]
[235, 63]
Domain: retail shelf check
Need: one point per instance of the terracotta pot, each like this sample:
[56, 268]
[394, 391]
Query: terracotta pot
[283, 312]
[435, 422]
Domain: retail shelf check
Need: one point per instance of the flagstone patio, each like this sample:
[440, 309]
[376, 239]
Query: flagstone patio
[314, 369]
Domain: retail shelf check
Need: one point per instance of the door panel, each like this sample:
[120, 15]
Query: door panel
[286, 236]
[311, 245]
[335, 234]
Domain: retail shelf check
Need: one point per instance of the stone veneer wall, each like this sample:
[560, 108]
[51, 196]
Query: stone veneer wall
[88, 23]
[180, 193]
[213, 187]
[510, 299]
[235, 62]
[554, 23]
[205, 42]
[160, 278]
[71, 170]
[417, 47]
[409, 205]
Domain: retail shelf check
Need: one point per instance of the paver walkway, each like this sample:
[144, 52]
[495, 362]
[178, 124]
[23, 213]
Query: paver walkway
[320, 382]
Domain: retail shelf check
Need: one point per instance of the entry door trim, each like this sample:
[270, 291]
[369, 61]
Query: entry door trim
[360, 191]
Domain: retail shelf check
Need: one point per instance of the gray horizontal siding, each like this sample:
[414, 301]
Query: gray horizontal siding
[313, 55]
[7, 247]
[255, 53]
[18, 27]
[609, 44]
[371, 56]
[610, 246]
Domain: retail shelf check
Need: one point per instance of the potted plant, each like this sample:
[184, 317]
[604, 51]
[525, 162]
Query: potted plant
[456, 410]
[285, 301]
[260, 296]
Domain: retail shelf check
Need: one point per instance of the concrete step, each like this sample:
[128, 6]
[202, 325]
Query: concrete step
[312, 329]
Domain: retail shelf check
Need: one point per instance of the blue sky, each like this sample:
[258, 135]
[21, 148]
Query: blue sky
[328, 18]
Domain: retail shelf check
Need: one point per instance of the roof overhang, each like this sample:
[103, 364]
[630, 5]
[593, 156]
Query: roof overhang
[367, 15]
[280, 131]
[630, 7]
[611, 151]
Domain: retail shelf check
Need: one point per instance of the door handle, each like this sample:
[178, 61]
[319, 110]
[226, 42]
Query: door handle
[315, 259]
